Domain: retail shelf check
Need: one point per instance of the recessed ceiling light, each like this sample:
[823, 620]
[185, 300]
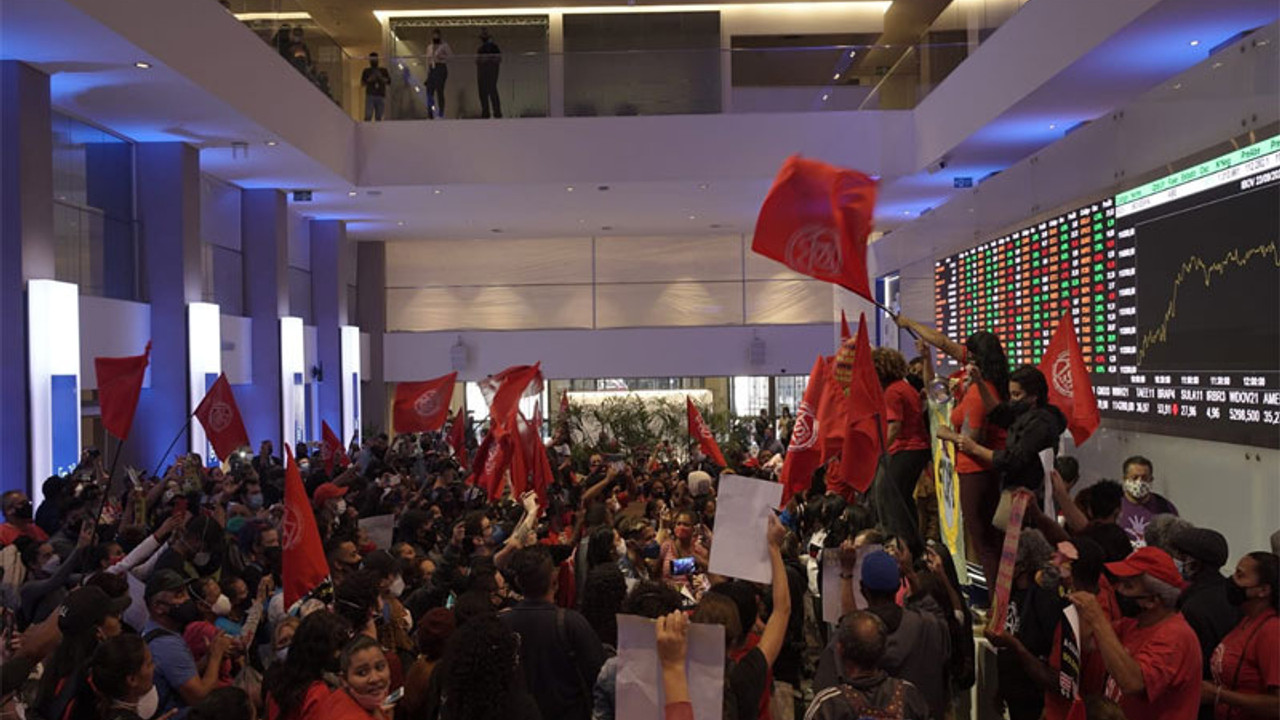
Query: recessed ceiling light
[836, 76]
[568, 188]
[400, 223]
[271, 143]
[417, 88]
[1217, 65]
[1195, 43]
[906, 212]
[437, 191]
[693, 217]
[142, 65]
[824, 97]
[352, 193]
[852, 53]
[1052, 125]
[1177, 86]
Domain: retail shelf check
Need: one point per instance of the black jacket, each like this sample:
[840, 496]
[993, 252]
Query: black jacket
[1029, 432]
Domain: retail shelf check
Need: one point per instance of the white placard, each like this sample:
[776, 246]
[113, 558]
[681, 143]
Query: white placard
[831, 582]
[1046, 462]
[379, 529]
[741, 546]
[640, 695]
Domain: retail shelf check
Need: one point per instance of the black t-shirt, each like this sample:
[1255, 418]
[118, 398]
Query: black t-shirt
[375, 81]
[745, 685]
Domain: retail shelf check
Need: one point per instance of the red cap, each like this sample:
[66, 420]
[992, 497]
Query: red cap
[1148, 561]
[328, 491]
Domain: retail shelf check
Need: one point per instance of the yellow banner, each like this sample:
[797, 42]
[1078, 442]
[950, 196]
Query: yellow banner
[947, 484]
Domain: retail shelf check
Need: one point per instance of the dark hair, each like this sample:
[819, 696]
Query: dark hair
[358, 644]
[1137, 460]
[1068, 467]
[533, 571]
[600, 547]
[109, 669]
[356, 597]
[480, 667]
[224, 703]
[472, 604]
[602, 597]
[1086, 569]
[1268, 568]
[890, 365]
[652, 600]
[987, 353]
[862, 637]
[1032, 382]
[744, 596]
[720, 609]
[1105, 497]
[316, 643]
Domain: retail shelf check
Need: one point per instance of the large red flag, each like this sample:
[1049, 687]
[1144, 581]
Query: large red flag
[864, 438]
[423, 406]
[804, 453]
[816, 220]
[458, 437]
[504, 391]
[1069, 386]
[699, 429]
[304, 565]
[832, 410]
[331, 451]
[492, 462]
[541, 475]
[844, 328]
[119, 385]
[220, 416]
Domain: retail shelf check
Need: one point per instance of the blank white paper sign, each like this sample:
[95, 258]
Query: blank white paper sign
[740, 548]
[380, 529]
[639, 687]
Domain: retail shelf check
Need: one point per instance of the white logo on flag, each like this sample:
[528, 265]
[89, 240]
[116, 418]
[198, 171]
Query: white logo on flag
[491, 462]
[1061, 373]
[703, 430]
[427, 404]
[805, 432]
[219, 416]
[814, 250]
[290, 528]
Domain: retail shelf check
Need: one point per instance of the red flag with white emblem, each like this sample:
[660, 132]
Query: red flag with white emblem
[1069, 386]
[804, 453]
[220, 417]
[304, 566]
[699, 429]
[423, 406]
[864, 438]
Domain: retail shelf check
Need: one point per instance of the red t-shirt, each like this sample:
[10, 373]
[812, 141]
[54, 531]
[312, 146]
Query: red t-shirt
[1169, 655]
[341, 706]
[972, 412]
[310, 709]
[903, 404]
[10, 532]
[1093, 671]
[1251, 649]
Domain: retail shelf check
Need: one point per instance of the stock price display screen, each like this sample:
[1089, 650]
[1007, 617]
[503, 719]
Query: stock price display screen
[1175, 287]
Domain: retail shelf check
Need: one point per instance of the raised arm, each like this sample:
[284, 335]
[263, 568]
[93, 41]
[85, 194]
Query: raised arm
[931, 336]
[775, 630]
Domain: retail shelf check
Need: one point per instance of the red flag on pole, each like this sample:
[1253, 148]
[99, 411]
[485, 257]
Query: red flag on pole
[864, 438]
[423, 406]
[816, 220]
[491, 464]
[1069, 386]
[541, 474]
[119, 385]
[844, 328]
[220, 417]
[504, 391]
[304, 565]
[804, 453]
[458, 437]
[699, 429]
[832, 410]
[331, 451]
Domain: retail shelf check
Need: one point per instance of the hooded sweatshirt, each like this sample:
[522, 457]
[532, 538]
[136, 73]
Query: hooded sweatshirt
[1030, 431]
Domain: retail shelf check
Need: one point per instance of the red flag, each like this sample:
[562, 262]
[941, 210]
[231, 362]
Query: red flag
[832, 410]
[119, 385]
[864, 438]
[564, 408]
[816, 220]
[541, 474]
[698, 428]
[331, 451]
[504, 391]
[423, 406]
[458, 437]
[220, 416]
[1069, 386]
[844, 328]
[804, 453]
[304, 565]
[491, 463]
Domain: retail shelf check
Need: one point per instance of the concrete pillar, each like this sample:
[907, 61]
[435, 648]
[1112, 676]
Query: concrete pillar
[555, 66]
[264, 233]
[118, 252]
[329, 268]
[371, 289]
[26, 245]
[168, 194]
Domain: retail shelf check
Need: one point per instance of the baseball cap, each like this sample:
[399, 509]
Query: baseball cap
[163, 581]
[1207, 546]
[880, 572]
[85, 608]
[328, 491]
[1148, 561]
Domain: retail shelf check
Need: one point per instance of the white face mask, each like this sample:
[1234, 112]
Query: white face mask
[341, 507]
[146, 706]
[222, 606]
[1137, 489]
[201, 559]
[397, 586]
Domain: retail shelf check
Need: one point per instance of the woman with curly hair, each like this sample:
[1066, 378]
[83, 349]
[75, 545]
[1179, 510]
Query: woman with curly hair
[907, 437]
[481, 678]
[296, 688]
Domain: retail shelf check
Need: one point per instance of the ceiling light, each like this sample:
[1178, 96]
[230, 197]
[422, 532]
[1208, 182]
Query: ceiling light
[568, 188]
[703, 186]
[351, 193]
[400, 224]
[582, 221]
[272, 143]
[142, 65]
[852, 53]
[906, 212]
[836, 76]
[824, 97]
[417, 88]
[1195, 43]
[1053, 126]
[1177, 86]
[693, 217]
[437, 191]
[1217, 65]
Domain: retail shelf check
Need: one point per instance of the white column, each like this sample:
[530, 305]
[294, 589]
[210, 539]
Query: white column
[204, 364]
[53, 364]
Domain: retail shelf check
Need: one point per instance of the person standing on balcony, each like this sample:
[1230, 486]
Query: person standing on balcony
[438, 54]
[374, 80]
[488, 60]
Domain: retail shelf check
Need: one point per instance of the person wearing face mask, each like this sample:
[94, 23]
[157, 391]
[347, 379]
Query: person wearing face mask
[438, 54]
[86, 618]
[1151, 654]
[47, 574]
[329, 503]
[170, 610]
[197, 552]
[366, 682]
[642, 550]
[18, 512]
[1141, 504]
[119, 683]
[684, 543]
[394, 621]
[1200, 554]
[259, 544]
[1245, 679]
[343, 558]
[375, 81]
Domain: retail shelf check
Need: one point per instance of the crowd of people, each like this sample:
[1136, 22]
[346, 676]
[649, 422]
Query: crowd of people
[488, 58]
[132, 598]
[291, 43]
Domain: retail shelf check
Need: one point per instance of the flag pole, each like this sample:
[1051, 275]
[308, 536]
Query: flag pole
[97, 518]
[176, 438]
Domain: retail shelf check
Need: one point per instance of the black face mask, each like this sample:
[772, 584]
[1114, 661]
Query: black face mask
[21, 512]
[184, 614]
[272, 555]
[1021, 406]
[1128, 605]
[1236, 594]
[373, 63]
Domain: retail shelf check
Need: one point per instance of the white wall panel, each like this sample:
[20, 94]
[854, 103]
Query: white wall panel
[490, 308]
[662, 259]
[488, 262]
[237, 349]
[788, 302]
[668, 304]
[760, 267]
[111, 328]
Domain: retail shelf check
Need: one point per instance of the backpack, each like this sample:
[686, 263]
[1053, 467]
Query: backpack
[861, 705]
